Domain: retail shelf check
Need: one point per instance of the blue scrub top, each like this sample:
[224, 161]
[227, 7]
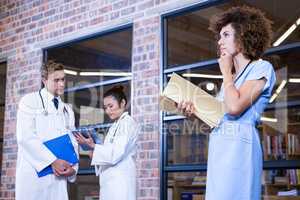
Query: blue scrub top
[235, 156]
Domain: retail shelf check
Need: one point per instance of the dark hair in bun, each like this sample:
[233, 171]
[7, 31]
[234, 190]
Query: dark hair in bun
[116, 92]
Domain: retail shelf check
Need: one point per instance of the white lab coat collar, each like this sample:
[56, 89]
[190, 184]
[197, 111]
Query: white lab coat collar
[123, 115]
[48, 101]
[48, 95]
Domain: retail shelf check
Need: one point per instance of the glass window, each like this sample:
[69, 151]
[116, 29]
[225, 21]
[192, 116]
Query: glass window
[92, 67]
[278, 183]
[275, 183]
[86, 187]
[187, 141]
[94, 60]
[186, 185]
[190, 41]
[188, 38]
[280, 127]
[191, 52]
[87, 104]
[286, 64]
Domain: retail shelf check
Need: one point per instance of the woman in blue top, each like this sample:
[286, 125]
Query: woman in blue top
[235, 156]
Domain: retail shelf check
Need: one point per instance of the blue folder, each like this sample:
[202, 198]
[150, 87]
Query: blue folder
[63, 149]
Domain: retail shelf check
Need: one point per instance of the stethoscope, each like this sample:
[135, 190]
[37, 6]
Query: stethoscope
[116, 129]
[45, 112]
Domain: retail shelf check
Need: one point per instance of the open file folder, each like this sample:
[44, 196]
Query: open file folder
[63, 149]
[178, 89]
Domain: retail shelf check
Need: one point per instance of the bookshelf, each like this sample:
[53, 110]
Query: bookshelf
[192, 187]
[185, 133]
[280, 198]
[280, 153]
[187, 186]
[281, 144]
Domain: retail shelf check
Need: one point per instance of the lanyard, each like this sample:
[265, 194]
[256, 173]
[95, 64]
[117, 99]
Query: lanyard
[118, 124]
[240, 74]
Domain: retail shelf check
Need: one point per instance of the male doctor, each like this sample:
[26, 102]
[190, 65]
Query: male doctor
[42, 116]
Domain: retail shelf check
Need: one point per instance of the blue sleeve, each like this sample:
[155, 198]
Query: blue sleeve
[263, 69]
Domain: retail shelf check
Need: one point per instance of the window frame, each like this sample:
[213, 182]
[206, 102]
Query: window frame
[91, 170]
[164, 167]
[4, 62]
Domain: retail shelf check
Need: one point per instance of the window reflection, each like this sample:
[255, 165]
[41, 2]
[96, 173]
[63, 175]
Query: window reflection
[276, 184]
[86, 187]
[100, 59]
[190, 41]
[280, 182]
[191, 45]
[187, 141]
[92, 66]
[186, 185]
[88, 104]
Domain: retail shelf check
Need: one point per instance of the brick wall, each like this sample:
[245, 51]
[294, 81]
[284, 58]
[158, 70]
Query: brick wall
[27, 26]
[145, 68]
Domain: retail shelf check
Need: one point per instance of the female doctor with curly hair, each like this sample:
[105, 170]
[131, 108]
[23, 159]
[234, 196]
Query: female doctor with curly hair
[235, 156]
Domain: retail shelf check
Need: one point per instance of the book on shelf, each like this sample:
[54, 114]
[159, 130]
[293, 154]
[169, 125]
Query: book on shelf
[289, 177]
[186, 196]
[199, 180]
[93, 197]
[275, 146]
[191, 196]
[281, 180]
[293, 192]
[298, 175]
[292, 174]
[170, 193]
[178, 89]
[293, 144]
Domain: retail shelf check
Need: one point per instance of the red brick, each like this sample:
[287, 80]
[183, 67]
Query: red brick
[26, 23]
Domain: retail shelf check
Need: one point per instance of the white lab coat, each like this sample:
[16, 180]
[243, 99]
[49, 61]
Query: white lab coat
[34, 128]
[115, 160]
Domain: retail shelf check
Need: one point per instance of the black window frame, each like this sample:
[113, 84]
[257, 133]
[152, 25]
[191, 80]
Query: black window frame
[91, 170]
[164, 167]
[3, 61]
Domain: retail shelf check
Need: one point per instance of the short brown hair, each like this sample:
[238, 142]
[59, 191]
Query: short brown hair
[50, 67]
[252, 29]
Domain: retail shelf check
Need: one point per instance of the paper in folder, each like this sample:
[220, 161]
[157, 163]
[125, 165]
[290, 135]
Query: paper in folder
[178, 89]
[63, 149]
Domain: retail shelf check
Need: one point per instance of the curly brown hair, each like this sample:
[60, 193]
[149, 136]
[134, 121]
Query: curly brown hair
[253, 30]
